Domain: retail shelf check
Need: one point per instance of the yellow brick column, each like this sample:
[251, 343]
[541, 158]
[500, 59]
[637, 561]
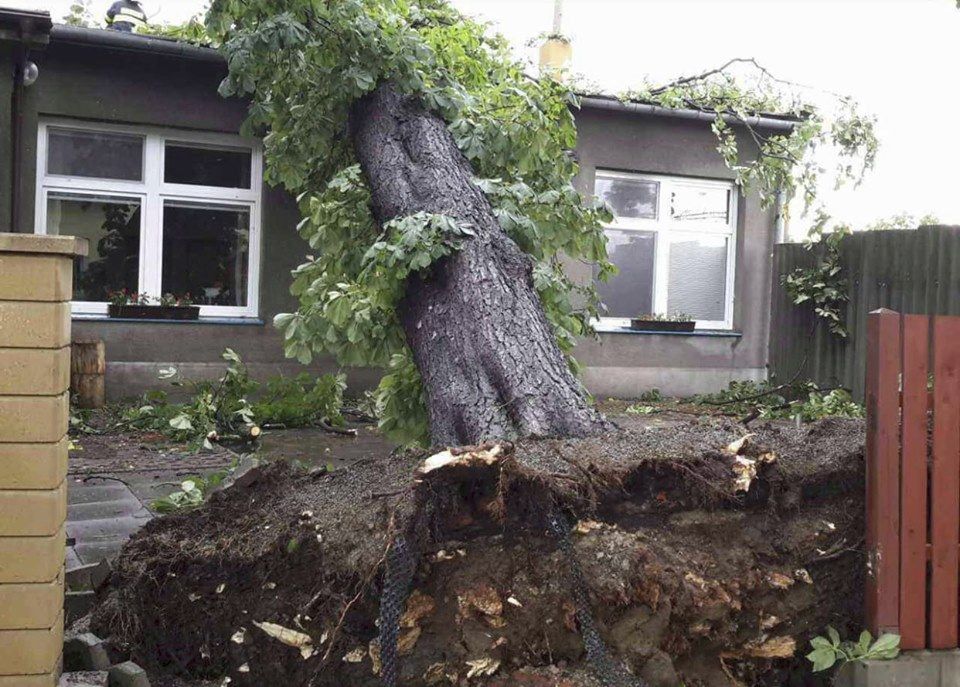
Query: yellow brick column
[35, 291]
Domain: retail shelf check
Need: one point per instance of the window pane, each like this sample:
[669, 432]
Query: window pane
[700, 204]
[697, 281]
[629, 197]
[94, 154]
[205, 252]
[112, 228]
[206, 166]
[630, 293]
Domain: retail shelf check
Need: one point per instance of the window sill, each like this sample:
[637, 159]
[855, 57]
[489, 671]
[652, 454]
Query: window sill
[602, 328]
[87, 317]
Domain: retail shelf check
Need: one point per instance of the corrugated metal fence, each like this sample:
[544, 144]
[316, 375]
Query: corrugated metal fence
[907, 271]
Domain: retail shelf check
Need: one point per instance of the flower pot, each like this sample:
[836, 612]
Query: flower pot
[154, 312]
[662, 325]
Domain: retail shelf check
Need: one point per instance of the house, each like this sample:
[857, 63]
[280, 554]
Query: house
[122, 139]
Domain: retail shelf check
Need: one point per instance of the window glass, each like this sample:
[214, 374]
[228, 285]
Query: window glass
[697, 280]
[635, 198]
[111, 225]
[205, 252]
[185, 164]
[699, 204]
[78, 153]
[630, 293]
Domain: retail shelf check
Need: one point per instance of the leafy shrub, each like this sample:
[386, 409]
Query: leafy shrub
[771, 401]
[223, 408]
[300, 401]
[652, 396]
[192, 492]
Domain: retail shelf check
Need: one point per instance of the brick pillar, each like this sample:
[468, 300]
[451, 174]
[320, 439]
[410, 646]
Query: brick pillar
[35, 291]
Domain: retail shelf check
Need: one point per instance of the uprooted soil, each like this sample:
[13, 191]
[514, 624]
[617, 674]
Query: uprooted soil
[689, 578]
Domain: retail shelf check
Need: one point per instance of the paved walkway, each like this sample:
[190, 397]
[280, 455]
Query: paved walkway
[113, 480]
[101, 516]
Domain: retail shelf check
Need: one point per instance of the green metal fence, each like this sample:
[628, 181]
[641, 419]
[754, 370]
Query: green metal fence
[907, 271]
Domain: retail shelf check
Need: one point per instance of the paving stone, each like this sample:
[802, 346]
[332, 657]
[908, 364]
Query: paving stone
[910, 669]
[85, 531]
[248, 471]
[82, 577]
[72, 559]
[98, 510]
[78, 604]
[128, 674]
[84, 652]
[83, 492]
[102, 550]
[87, 678]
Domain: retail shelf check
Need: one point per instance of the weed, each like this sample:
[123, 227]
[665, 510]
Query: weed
[804, 401]
[229, 409]
[652, 396]
[638, 409]
[192, 492]
[830, 651]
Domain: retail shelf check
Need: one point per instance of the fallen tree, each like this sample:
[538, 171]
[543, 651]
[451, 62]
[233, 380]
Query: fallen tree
[435, 181]
[691, 554]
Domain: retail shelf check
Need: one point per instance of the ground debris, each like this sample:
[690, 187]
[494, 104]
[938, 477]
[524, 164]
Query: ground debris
[680, 568]
[285, 635]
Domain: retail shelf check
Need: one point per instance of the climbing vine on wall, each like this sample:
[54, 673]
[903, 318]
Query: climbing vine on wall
[823, 285]
[779, 162]
[785, 163]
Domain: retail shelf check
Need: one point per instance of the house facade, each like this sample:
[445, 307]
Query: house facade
[123, 140]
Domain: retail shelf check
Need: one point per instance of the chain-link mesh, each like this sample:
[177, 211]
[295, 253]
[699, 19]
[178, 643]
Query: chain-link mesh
[401, 566]
[400, 569]
[606, 668]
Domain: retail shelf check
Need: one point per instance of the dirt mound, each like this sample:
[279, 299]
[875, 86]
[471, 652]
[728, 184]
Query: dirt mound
[705, 557]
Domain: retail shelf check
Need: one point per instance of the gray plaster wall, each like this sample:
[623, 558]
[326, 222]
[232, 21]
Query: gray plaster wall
[626, 364]
[6, 91]
[98, 84]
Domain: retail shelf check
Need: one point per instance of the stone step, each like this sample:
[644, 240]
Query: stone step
[106, 549]
[87, 492]
[98, 510]
[87, 531]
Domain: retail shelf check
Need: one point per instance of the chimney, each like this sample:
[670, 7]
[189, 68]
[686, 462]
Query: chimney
[556, 52]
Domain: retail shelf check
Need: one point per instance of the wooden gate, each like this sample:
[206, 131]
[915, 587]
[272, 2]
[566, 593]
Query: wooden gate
[913, 477]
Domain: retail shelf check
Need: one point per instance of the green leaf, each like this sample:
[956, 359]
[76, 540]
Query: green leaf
[822, 659]
[181, 422]
[887, 646]
[863, 644]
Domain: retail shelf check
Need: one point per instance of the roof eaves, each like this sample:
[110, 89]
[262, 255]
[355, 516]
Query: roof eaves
[762, 120]
[119, 40]
[24, 26]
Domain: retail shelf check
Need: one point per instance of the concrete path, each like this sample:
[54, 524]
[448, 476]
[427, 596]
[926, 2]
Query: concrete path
[101, 515]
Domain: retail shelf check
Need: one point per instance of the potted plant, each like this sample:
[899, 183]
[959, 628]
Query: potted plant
[659, 322]
[137, 306]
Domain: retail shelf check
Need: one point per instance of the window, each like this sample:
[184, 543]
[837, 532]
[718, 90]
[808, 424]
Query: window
[674, 242]
[163, 212]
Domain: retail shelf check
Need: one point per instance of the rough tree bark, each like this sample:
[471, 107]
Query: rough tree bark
[489, 360]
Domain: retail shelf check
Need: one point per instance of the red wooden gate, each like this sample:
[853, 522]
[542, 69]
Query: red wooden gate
[913, 477]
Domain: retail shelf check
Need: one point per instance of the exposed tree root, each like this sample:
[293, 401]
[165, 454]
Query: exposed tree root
[686, 578]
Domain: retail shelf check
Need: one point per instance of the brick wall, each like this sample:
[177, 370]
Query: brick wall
[35, 291]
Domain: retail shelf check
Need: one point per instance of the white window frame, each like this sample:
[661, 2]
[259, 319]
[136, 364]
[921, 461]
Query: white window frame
[152, 193]
[663, 227]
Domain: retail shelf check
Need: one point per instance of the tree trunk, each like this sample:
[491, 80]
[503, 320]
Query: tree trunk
[490, 363]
